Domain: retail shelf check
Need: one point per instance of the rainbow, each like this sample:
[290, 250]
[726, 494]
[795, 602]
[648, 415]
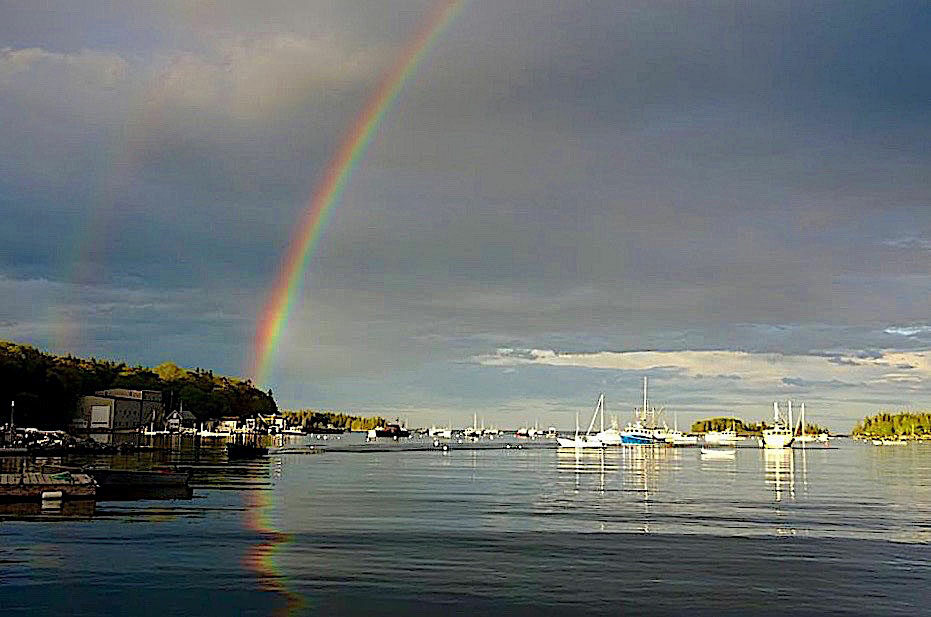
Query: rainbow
[285, 291]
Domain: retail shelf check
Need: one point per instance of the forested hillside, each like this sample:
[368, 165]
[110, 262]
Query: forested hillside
[46, 387]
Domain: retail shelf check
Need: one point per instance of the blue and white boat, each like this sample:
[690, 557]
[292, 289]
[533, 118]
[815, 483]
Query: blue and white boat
[639, 433]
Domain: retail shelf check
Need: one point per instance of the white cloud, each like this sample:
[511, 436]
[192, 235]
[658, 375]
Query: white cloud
[754, 368]
[249, 78]
[99, 67]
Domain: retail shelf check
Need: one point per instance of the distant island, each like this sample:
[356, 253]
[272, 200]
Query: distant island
[725, 423]
[46, 387]
[744, 428]
[311, 420]
[902, 425]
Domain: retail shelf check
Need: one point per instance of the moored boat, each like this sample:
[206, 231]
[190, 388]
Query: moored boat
[779, 435]
[722, 453]
[587, 440]
[643, 431]
[392, 430]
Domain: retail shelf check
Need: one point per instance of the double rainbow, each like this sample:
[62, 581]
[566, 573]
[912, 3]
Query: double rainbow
[286, 289]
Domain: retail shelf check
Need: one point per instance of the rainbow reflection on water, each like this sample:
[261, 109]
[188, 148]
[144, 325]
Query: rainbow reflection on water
[260, 557]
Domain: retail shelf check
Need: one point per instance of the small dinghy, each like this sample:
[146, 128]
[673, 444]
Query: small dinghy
[718, 453]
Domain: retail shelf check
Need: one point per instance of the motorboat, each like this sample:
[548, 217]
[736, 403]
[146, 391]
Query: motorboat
[678, 438]
[394, 431]
[725, 437]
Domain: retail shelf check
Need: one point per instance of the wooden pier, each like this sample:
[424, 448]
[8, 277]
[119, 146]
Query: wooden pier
[29, 486]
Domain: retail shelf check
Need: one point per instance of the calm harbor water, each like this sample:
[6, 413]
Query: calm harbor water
[531, 531]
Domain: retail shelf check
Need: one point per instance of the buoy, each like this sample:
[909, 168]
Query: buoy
[445, 447]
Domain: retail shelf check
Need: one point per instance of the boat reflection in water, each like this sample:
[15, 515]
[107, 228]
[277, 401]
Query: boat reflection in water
[586, 461]
[779, 471]
[614, 479]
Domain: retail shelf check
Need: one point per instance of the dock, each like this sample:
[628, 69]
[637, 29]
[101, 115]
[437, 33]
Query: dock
[28, 486]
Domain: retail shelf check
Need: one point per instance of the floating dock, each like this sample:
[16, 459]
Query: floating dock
[29, 486]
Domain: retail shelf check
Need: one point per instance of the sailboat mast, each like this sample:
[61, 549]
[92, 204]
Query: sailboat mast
[790, 418]
[644, 411]
[601, 403]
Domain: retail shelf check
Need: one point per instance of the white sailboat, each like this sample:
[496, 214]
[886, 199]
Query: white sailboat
[801, 436]
[779, 435]
[587, 440]
[678, 438]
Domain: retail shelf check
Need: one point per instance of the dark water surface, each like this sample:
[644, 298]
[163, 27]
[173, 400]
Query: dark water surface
[535, 531]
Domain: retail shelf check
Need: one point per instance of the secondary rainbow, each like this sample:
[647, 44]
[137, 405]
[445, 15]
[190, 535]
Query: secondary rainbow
[288, 283]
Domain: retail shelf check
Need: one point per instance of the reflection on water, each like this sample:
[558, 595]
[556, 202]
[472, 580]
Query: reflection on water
[67, 509]
[505, 531]
[779, 469]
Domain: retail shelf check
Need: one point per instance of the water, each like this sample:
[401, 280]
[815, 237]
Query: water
[840, 530]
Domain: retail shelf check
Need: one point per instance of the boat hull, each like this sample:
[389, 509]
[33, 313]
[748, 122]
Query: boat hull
[578, 443]
[777, 439]
[722, 453]
[637, 440]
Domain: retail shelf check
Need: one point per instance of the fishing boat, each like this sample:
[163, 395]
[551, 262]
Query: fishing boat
[643, 431]
[779, 435]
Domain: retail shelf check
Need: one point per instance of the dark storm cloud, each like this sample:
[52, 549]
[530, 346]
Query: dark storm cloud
[602, 176]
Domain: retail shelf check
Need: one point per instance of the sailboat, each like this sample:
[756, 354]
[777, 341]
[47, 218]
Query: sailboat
[587, 440]
[678, 438]
[473, 431]
[779, 435]
[802, 436]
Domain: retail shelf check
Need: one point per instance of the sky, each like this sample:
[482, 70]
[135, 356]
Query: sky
[733, 199]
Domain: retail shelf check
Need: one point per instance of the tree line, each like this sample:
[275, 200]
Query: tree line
[725, 423]
[309, 419]
[747, 428]
[886, 424]
[46, 387]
